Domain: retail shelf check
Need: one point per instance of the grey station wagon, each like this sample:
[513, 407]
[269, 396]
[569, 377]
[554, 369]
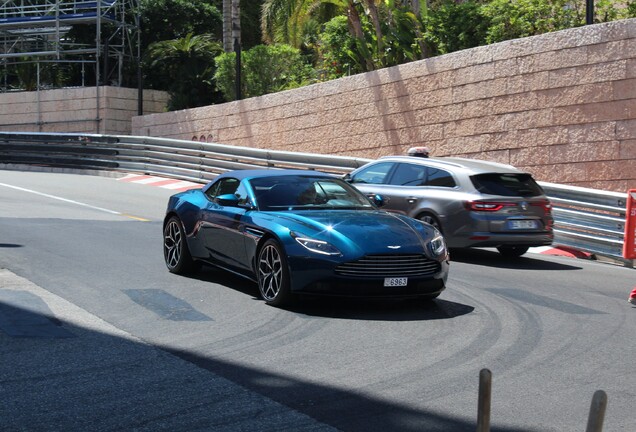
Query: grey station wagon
[473, 203]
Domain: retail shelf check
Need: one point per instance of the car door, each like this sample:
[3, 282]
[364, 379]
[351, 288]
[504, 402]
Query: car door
[371, 179]
[402, 188]
[222, 226]
[425, 192]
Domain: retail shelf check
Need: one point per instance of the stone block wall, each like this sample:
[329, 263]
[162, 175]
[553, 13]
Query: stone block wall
[76, 110]
[561, 106]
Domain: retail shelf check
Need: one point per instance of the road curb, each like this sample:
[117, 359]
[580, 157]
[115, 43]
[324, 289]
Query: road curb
[563, 251]
[162, 182]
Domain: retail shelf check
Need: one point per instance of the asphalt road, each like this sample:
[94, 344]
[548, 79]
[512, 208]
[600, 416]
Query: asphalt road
[96, 334]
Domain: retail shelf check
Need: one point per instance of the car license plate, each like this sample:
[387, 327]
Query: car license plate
[394, 282]
[523, 224]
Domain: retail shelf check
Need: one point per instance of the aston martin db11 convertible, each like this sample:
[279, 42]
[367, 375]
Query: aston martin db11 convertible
[303, 232]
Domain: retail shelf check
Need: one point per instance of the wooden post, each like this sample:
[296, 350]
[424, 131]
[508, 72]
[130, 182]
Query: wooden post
[483, 405]
[597, 412]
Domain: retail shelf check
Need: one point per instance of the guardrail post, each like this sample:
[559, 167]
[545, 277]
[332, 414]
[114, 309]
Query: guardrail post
[597, 412]
[483, 405]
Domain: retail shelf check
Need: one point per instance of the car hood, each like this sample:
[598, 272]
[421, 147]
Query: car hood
[373, 231]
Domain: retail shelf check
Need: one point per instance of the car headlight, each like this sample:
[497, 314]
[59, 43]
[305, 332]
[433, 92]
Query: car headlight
[438, 246]
[317, 246]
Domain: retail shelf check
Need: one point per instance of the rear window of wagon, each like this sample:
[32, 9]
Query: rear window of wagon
[506, 184]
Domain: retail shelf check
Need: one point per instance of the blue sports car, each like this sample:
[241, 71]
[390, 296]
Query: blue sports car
[303, 232]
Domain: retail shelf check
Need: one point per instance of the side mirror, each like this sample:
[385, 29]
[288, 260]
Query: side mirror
[229, 200]
[378, 200]
[347, 177]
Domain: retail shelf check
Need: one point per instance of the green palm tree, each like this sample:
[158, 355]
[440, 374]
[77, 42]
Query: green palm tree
[286, 21]
[188, 67]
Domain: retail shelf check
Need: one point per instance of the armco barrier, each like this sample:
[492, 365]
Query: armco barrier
[589, 219]
[585, 219]
[187, 160]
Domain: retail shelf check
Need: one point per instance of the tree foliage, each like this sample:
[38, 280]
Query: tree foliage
[173, 19]
[453, 26]
[265, 69]
[294, 22]
[390, 32]
[338, 56]
[188, 65]
[330, 39]
[312, 40]
[522, 18]
[170, 20]
[250, 23]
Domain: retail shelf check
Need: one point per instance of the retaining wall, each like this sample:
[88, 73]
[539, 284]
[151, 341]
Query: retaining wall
[76, 109]
[561, 106]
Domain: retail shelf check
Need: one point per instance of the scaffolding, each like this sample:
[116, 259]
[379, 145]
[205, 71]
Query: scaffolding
[40, 33]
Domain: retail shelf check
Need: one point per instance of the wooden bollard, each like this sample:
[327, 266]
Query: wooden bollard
[483, 405]
[597, 412]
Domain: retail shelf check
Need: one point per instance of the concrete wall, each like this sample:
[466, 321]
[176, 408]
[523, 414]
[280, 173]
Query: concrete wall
[561, 106]
[75, 110]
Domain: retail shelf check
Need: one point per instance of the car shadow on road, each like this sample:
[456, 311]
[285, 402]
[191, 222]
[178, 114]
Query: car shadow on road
[492, 258]
[217, 276]
[372, 309]
[379, 309]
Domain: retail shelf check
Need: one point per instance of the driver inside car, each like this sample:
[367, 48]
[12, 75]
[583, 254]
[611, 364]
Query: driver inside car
[308, 196]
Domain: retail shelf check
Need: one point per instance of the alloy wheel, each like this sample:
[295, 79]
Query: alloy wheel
[431, 221]
[172, 244]
[270, 272]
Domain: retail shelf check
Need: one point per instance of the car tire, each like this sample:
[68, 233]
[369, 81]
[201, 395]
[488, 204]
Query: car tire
[175, 248]
[273, 274]
[512, 251]
[431, 220]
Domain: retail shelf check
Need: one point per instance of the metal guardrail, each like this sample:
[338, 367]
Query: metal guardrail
[589, 219]
[186, 160]
[585, 219]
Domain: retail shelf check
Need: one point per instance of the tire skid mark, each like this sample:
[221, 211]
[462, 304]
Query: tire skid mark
[444, 370]
[277, 332]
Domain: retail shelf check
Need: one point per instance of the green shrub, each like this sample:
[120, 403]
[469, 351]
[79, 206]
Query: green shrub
[338, 50]
[264, 68]
[455, 26]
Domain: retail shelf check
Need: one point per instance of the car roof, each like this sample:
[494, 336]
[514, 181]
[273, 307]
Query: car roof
[471, 166]
[246, 174]
[259, 173]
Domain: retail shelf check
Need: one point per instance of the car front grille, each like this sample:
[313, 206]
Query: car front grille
[375, 266]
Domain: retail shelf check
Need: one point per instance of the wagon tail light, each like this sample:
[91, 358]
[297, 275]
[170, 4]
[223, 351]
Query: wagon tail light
[487, 206]
[545, 204]
[493, 206]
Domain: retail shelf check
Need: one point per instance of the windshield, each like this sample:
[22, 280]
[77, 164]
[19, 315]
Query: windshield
[507, 184]
[306, 193]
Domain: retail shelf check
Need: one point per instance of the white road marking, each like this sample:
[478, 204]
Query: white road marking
[149, 180]
[162, 182]
[71, 201]
[179, 185]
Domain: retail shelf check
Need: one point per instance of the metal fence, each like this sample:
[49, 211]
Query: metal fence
[186, 160]
[589, 219]
[585, 219]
